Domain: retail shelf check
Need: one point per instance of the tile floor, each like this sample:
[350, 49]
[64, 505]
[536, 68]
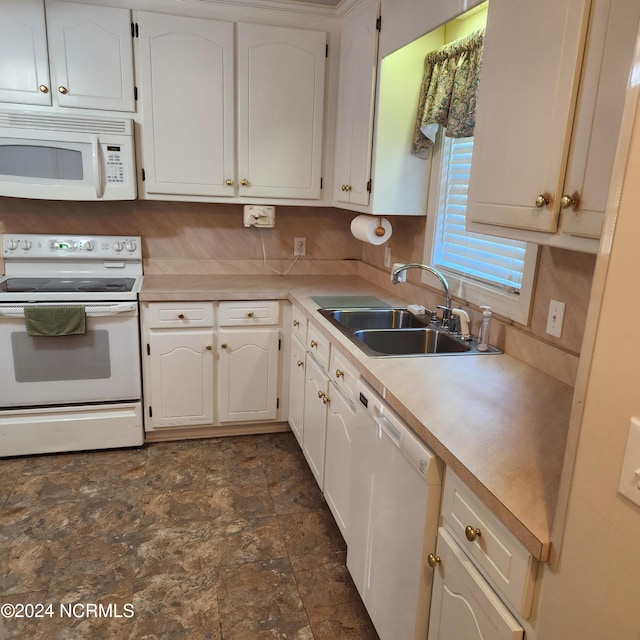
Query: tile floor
[220, 539]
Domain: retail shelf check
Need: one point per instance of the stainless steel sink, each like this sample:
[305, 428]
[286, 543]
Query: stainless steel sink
[401, 342]
[395, 331]
[387, 318]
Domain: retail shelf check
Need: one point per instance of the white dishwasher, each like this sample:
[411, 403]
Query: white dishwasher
[393, 520]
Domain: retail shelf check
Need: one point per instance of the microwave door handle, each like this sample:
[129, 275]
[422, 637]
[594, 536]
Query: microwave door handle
[97, 167]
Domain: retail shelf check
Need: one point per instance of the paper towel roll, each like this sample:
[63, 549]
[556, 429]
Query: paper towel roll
[363, 227]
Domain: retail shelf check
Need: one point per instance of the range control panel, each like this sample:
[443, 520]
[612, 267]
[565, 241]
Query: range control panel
[38, 247]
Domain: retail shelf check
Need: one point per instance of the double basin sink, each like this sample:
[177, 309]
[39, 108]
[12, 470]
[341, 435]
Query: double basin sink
[388, 332]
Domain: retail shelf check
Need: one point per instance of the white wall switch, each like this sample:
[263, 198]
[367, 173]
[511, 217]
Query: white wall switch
[629, 485]
[555, 318]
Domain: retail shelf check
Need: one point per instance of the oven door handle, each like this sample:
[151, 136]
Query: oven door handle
[92, 310]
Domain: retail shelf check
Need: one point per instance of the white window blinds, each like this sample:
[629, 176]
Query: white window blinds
[499, 261]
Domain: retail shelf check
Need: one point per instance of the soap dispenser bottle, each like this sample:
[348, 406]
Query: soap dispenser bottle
[483, 335]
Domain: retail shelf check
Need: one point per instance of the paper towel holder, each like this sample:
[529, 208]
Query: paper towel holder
[379, 230]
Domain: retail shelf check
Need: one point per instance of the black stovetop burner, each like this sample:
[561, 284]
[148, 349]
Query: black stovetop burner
[67, 285]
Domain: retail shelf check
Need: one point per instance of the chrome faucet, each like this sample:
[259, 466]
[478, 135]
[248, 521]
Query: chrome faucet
[446, 310]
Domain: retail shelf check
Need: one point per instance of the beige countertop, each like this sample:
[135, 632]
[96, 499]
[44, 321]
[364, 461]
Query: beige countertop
[500, 424]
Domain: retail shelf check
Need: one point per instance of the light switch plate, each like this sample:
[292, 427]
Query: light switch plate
[555, 318]
[630, 475]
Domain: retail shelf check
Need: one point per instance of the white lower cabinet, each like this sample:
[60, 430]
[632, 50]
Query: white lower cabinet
[201, 373]
[248, 374]
[337, 462]
[484, 578]
[178, 369]
[463, 605]
[297, 369]
[316, 395]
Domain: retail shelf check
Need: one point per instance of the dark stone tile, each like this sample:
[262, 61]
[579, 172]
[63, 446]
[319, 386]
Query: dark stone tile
[232, 461]
[172, 607]
[310, 535]
[347, 621]
[25, 565]
[44, 489]
[261, 600]
[55, 463]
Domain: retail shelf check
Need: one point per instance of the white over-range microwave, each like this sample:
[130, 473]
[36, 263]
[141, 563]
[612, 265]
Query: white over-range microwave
[66, 157]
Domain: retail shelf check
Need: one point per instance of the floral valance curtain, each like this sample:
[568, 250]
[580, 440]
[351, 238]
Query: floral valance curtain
[449, 92]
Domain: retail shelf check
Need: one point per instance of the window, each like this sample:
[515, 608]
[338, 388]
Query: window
[482, 269]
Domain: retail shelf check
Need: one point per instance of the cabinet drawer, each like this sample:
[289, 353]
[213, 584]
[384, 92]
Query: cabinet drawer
[177, 314]
[495, 550]
[343, 374]
[298, 324]
[248, 313]
[318, 345]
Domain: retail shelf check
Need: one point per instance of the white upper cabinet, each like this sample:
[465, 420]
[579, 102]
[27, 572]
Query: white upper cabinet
[24, 61]
[186, 70]
[280, 111]
[82, 58]
[549, 112]
[356, 96]
[194, 141]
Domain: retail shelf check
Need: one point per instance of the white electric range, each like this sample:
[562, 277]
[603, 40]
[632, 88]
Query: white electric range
[69, 389]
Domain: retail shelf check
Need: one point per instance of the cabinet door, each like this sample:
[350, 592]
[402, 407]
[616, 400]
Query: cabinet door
[181, 371]
[337, 470]
[188, 123]
[358, 59]
[280, 111]
[528, 88]
[463, 606]
[605, 75]
[296, 388]
[91, 56]
[248, 374]
[24, 63]
[316, 392]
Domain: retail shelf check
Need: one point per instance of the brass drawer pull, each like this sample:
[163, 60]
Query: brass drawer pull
[249, 314]
[339, 373]
[472, 533]
[300, 363]
[296, 323]
[313, 344]
[432, 560]
[181, 316]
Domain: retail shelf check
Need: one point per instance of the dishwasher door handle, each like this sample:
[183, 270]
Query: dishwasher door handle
[394, 433]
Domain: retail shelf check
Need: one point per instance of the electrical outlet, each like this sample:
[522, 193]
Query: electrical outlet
[299, 247]
[555, 318]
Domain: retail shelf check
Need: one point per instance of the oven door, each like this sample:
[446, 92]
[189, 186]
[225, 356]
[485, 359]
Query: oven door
[101, 365]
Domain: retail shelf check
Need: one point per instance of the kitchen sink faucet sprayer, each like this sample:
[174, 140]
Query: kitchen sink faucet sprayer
[446, 310]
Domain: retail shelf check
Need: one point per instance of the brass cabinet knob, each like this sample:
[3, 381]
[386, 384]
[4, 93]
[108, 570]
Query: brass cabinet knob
[568, 201]
[542, 200]
[224, 345]
[471, 533]
[181, 316]
[43, 88]
[229, 183]
[320, 394]
[348, 187]
[209, 347]
[432, 560]
[244, 182]
[249, 314]
[313, 344]
[62, 90]
[339, 373]
[296, 323]
[300, 363]
[323, 396]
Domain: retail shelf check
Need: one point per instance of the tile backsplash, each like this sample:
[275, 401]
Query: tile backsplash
[210, 238]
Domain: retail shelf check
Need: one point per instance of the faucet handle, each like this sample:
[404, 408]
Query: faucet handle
[446, 315]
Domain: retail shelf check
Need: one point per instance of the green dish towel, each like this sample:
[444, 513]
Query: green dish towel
[52, 320]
